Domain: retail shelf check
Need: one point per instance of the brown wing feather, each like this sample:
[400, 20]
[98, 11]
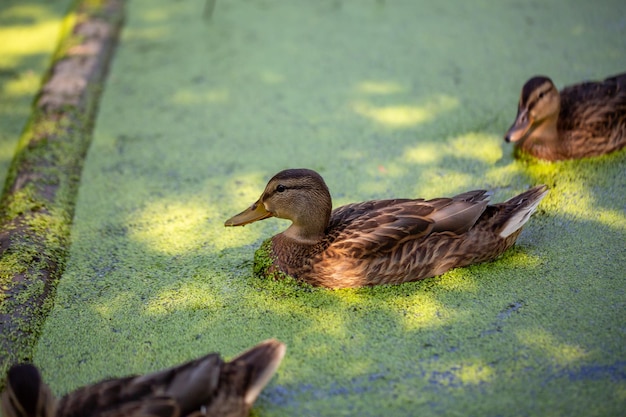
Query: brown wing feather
[188, 385]
[595, 112]
[344, 215]
[156, 407]
[380, 229]
[374, 228]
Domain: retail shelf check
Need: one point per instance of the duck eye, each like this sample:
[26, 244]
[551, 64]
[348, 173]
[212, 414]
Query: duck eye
[541, 95]
[280, 188]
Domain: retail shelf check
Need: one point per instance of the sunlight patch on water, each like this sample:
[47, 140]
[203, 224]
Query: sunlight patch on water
[271, 77]
[424, 153]
[586, 207]
[478, 146]
[23, 40]
[188, 296]
[155, 15]
[402, 116]
[561, 352]
[113, 306]
[26, 84]
[379, 87]
[425, 312]
[170, 227]
[476, 373]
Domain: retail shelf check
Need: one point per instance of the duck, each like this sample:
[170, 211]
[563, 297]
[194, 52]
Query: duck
[207, 386]
[583, 120]
[380, 241]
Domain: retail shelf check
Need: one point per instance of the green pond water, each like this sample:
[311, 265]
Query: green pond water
[385, 99]
[29, 32]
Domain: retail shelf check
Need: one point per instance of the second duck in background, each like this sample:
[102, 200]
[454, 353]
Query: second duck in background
[380, 241]
[583, 120]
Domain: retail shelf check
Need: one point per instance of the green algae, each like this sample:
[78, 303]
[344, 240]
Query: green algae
[30, 31]
[384, 100]
[263, 266]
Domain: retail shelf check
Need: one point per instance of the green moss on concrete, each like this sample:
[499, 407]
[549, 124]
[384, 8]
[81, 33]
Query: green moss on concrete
[36, 211]
[37, 226]
[384, 99]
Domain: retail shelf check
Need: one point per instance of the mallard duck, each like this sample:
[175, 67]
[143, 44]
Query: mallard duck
[583, 120]
[207, 386]
[380, 241]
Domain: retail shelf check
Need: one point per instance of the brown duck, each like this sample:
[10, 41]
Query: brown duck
[583, 120]
[381, 241]
[207, 386]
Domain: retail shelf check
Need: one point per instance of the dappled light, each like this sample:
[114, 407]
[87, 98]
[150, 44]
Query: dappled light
[169, 227]
[22, 86]
[113, 307]
[403, 116]
[245, 189]
[188, 296]
[425, 312]
[29, 33]
[475, 374]
[562, 353]
[28, 39]
[477, 146]
[459, 280]
[586, 205]
[155, 15]
[379, 87]
[6, 153]
[271, 77]
[385, 100]
[427, 153]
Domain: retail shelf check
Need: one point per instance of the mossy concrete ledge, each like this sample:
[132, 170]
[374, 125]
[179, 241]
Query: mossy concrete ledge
[37, 204]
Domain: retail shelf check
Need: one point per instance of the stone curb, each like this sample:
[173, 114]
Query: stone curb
[37, 204]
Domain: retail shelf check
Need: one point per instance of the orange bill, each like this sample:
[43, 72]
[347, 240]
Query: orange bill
[520, 127]
[252, 214]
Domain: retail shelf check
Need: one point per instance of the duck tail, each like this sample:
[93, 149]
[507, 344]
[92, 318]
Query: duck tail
[261, 361]
[519, 209]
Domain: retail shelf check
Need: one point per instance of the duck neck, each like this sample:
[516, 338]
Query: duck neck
[309, 230]
[543, 141]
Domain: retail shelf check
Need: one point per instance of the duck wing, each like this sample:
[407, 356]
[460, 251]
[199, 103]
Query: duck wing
[596, 107]
[173, 392]
[243, 379]
[376, 227]
[156, 407]
[208, 383]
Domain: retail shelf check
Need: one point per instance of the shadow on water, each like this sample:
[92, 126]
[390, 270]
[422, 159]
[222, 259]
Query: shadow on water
[490, 329]
[154, 278]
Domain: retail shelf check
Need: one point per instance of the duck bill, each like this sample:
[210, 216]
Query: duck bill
[520, 127]
[252, 214]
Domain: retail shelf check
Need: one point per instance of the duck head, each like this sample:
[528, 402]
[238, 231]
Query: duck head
[538, 110]
[299, 195]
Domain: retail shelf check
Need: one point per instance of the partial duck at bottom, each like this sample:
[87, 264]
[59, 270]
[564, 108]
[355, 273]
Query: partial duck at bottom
[381, 241]
[207, 386]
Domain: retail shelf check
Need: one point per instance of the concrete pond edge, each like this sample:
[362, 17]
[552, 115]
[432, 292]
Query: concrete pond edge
[39, 195]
